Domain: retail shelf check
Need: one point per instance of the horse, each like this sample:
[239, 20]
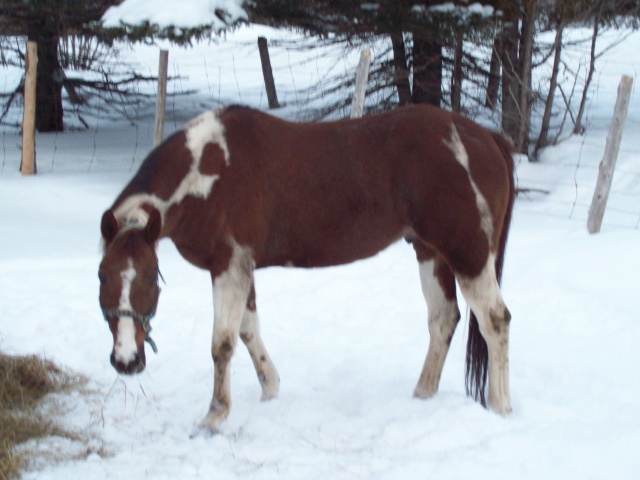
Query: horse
[238, 189]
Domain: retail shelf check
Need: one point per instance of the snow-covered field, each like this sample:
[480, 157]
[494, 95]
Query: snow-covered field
[349, 342]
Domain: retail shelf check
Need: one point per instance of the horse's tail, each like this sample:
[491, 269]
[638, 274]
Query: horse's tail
[476, 366]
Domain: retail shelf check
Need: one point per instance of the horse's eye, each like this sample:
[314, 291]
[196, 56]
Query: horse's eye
[153, 281]
[101, 277]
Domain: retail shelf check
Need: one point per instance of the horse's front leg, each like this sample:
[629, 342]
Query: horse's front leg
[230, 292]
[439, 289]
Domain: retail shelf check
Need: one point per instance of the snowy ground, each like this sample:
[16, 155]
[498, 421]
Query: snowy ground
[349, 342]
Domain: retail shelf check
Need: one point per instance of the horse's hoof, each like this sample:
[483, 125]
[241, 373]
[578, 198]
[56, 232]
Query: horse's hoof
[507, 410]
[424, 393]
[202, 431]
[270, 391]
[217, 414]
[503, 409]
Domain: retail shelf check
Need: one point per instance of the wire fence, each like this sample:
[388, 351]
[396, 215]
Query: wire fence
[561, 184]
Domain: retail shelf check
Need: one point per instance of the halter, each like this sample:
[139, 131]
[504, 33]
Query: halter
[143, 320]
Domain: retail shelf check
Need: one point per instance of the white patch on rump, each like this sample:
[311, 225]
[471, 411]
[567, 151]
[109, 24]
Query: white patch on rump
[125, 347]
[460, 153]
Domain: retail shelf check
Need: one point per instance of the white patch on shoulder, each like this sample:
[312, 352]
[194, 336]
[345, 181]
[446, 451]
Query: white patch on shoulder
[126, 348]
[460, 153]
[205, 128]
[202, 130]
[194, 183]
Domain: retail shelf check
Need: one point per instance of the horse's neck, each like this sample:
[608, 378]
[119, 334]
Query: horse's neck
[134, 210]
[137, 201]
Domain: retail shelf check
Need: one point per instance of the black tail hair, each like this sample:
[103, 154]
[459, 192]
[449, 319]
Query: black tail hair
[477, 361]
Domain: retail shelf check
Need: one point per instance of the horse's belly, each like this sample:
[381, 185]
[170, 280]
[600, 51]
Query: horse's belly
[333, 244]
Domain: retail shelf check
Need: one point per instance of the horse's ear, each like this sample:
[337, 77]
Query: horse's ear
[109, 226]
[154, 226]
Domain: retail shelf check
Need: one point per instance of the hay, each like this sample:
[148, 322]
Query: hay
[24, 382]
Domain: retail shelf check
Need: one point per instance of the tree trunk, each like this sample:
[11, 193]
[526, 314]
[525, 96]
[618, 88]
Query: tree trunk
[401, 71]
[525, 97]
[510, 85]
[427, 70]
[456, 77]
[553, 82]
[493, 85]
[50, 78]
[578, 127]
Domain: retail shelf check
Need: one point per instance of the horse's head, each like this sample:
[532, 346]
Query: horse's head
[129, 288]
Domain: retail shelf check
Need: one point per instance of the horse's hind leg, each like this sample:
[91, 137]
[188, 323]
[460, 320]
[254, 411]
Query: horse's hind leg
[250, 335]
[439, 289]
[485, 300]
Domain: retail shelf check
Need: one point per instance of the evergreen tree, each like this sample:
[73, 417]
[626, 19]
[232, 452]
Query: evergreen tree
[46, 22]
[430, 24]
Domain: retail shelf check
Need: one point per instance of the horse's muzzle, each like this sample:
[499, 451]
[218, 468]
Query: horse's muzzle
[134, 366]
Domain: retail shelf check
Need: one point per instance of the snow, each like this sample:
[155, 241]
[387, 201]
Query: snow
[348, 342]
[175, 13]
[462, 11]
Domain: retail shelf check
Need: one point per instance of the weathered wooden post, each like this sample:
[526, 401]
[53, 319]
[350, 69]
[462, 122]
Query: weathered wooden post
[362, 75]
[267, 73]
[608, 163]
[161, 99]
[28, 162]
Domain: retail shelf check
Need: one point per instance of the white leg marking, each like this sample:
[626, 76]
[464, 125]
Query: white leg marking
[230, 292]
[443, 318]
[457, 147]
[265, 369]
[483, 289]
[125, 347]
[484, 297]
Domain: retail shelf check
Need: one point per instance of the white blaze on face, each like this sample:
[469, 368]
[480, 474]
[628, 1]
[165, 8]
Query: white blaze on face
[125, 347]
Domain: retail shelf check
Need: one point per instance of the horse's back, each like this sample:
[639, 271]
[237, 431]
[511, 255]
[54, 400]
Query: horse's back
[319, 189]
[339, 191]
[324, 193]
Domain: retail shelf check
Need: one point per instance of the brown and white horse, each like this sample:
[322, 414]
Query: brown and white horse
[237, 190]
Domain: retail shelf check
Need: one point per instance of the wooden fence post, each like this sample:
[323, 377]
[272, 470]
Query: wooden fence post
[362, 75]
[28, 162]
[608, 163]
[161, 99]
[267, 73]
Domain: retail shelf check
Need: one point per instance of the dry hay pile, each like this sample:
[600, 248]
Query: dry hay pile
[24, 382]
